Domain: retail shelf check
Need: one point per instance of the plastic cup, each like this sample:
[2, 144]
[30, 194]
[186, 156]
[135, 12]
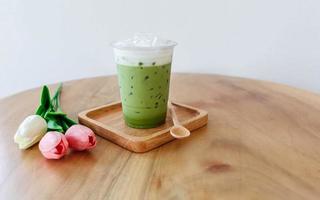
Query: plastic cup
[144, 69]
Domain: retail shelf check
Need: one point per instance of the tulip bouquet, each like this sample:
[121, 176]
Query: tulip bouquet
[55, 131]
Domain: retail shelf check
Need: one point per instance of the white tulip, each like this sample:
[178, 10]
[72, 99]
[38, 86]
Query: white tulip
[30, 131]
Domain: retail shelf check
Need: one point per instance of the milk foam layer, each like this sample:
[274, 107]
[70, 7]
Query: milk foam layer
[144, 41]
[144, 49]
[143, 57]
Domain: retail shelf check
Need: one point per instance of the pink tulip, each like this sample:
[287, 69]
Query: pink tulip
[81, 137]
[53, 145]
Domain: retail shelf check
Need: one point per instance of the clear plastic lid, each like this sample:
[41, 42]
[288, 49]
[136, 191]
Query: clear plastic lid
[144, 41]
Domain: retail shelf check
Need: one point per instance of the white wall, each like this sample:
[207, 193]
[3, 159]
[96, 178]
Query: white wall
[45, 41]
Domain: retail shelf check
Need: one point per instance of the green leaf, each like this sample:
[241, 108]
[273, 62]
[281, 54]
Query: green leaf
[54, 126]
[58, 91]
[64, 126]
[45, 102]
[45, 97]
[69, 121]
[55, 101]
[60, 119]
[40, 111]
[54, 115]
[50, 110]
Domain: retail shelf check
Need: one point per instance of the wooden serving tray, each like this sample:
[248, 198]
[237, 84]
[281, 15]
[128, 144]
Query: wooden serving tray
[107, 121]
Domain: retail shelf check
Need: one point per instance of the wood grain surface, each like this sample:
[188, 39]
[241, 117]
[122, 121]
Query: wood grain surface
[107, 121]
[262, 141]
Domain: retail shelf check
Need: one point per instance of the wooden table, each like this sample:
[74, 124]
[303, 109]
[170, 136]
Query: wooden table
[262, 142]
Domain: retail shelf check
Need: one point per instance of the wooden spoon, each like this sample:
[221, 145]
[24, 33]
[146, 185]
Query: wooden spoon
[177, 131]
